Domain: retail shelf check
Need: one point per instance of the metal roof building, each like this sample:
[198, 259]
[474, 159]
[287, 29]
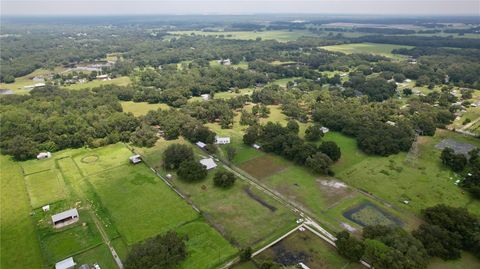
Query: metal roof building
[209, 163]
[65, 264]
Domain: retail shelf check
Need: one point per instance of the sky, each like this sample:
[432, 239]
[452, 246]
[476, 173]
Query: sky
[131, 7]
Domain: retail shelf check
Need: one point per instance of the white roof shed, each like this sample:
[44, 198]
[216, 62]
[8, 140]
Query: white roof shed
[201, 144]
[68, 263]
[209, 163]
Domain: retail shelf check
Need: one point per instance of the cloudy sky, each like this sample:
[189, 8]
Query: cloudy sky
[117, 7]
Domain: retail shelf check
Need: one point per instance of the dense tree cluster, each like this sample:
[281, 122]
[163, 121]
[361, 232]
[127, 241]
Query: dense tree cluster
[162, 251]
[180, 157]
[224, 179]
[469, 168]
[284, 141]
[50, 119]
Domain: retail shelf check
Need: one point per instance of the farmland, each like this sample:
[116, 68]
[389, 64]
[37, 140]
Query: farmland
[141, 109]
[282, 36]
[368, 48]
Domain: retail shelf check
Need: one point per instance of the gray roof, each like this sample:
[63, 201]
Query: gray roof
[65, 214]
[201, 144]
[208, 163]
[65, 264]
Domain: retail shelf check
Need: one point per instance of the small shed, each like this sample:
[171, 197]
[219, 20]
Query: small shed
[200, 144]
[209, 163]
[222, 140]
[46, 208]
[256, 146]
[65, 218]
[391, 123]
[68, 263]
[135, 159]
[205, 97]
[44, 155]
[324, 130]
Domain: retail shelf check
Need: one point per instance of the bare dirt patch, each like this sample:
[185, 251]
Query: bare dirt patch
[333, 190]
[262, 167]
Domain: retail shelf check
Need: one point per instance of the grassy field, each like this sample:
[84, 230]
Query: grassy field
[120, 81]
[141, 108]
[45, 187]
[281, 36]
[368, 48]
[307, 248]
[100, 255]
[19, 246]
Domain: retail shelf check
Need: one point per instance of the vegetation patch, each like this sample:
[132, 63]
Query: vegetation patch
[263, 166]
[45, 187]
[367, 214]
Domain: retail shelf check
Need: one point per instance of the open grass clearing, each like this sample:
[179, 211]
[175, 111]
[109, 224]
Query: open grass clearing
[19, 246]
[264, 166]
[105, 158]
[307, 248]
[140, 204]
[369, 48]
[45, 187]
[18, 86]
[100, 255]
[141, 108]
[281, 35]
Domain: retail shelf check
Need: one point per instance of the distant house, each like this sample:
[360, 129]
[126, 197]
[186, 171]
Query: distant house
[256, 146]
[65, 264]
[209, 163]
[324, 130]
[135, 159]
[201, 144]
[222, 140]
[102, 77]
[225, 62]
[44, 155]
[205, 97]
[38, 79]
[65, 218]
[391, 123]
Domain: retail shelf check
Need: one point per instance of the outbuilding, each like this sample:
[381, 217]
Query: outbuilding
[65, 218]
[209, 163]
[222, 140]
[324, 130]
[135, 159]
[44, 155]
[256, 146]
[201, 145]
[68, 263]
[205, 97]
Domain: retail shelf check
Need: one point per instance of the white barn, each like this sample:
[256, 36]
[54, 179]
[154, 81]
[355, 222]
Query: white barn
[68, 263]
[200, 144]
[44, 155]
[209, 163]
[135, 159]
[222, 140]
[324, 130]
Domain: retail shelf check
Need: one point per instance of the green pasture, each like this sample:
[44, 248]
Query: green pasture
[92, 161]
[100, 255]
[315, 252]
[19, 245]
[45, 187]
[206, 248]
[241, 64]
[141, 108]
[18, 86]
[140, 204]
[368, 48]
[283, 81]
[281, 35]
[35, 166]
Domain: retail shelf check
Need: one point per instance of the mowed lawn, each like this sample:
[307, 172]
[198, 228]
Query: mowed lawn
[140, 204]
[120, 81]
[141, 108]
[92, 161]
[45, 187]
[19, 245]
[369, 48]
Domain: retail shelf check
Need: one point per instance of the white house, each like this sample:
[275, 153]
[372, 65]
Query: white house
[222, 140]
[209, 163]
[201, 144]
[135, 159]
[324, 130]
[256, 146]
[205, 96]
[44, 155]
[65, 218]
[68, 263]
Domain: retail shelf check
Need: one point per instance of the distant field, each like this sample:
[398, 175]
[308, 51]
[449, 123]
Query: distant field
[141, 108]
[120, 81]
[282, 36]
[368, 48]
[19, 85]
[45, 187]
